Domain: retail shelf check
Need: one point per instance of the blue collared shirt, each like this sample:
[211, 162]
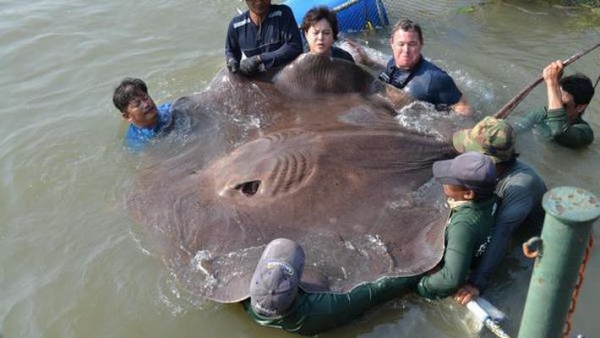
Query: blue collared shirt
[136, 138]
[427, 83]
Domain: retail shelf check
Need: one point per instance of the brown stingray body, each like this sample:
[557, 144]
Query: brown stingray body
[332, 169]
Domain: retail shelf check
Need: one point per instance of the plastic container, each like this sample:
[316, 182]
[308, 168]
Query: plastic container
[352, 15]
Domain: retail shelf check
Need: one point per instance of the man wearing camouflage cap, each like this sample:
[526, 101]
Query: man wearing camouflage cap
[519, 190]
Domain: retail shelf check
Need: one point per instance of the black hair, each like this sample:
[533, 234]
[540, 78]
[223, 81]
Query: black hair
[579, 86]
[408, 25]
[128, 89]
[317, 14]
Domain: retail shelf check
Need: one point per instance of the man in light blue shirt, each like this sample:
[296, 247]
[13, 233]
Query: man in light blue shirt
[146, 119]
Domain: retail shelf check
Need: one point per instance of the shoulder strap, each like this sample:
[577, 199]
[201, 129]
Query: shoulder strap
[388, 78]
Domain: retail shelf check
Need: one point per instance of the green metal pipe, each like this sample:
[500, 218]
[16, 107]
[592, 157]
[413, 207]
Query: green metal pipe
[570, 213]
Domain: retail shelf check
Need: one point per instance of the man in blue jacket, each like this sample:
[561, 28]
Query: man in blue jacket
[265, 36]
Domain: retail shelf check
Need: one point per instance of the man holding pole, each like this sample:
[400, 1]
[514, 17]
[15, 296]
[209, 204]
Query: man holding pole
[568, 97]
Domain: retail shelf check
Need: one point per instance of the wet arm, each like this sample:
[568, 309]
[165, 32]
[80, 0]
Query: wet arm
[456, 263]
[552, 75]
[516, 206]
[446, 92]
[573, 136]
[323, 311]
[531, 119]
[462, 107]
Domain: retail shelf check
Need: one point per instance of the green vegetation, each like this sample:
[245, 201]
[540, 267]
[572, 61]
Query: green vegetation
[588, 10]
[590, 3]
[583, 4]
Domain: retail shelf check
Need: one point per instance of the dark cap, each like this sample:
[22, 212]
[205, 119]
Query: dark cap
[277, 277]
[473, 170]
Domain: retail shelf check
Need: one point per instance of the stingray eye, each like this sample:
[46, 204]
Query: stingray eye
[248, 188]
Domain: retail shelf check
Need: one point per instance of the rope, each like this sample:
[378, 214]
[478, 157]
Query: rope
[577, 289]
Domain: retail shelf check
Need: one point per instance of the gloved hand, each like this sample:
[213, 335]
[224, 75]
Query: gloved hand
[233, 65]
[251, 65]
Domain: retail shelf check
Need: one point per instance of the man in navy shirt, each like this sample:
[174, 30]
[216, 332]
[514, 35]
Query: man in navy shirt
[408, 70]
[264, 37]
[145, 118]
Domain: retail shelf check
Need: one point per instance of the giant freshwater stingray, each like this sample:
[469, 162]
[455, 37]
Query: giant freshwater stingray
[314, 154]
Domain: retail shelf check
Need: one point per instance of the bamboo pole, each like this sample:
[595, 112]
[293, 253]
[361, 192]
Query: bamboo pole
[512, 104]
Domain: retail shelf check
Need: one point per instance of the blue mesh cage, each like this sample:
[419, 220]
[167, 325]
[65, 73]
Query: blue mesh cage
[353, 15]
